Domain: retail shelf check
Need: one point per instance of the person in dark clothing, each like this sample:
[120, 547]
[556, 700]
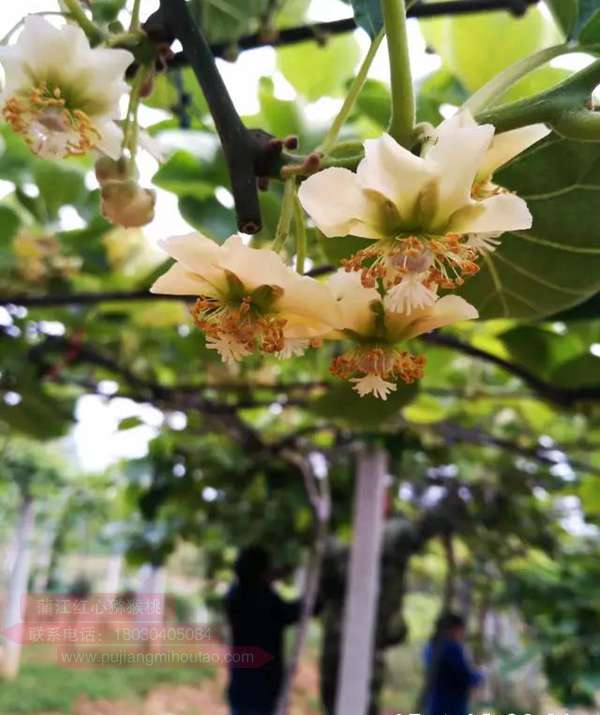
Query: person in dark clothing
[257, 618]
[450, 676]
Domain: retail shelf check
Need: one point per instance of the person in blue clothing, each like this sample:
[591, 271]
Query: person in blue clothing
[449, 675]
[257, 617]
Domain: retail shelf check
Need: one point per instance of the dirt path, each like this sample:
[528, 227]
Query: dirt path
[204, 699]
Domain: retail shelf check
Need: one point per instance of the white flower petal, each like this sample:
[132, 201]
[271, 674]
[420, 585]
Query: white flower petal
[91, 81]
[461, 120]
[254, 266]
[178, 281]
[310, 308]
[197, 254]
[394, 172]
[457, 157]
[507, 145]
[503, 212]
[333, 198]
[111, 139]
[354, 302]
[447, 310]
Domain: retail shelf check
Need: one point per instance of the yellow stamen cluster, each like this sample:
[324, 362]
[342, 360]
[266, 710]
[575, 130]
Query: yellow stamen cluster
[382, 361]
[48, 108]
[389, 260]
[240, 323]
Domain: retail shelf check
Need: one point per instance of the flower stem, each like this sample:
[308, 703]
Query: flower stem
[403, 99]
[300, 227]
[502, 82]
[351, 97]
[94, 33]
[135, 16]
[130, 129]
[285, 217]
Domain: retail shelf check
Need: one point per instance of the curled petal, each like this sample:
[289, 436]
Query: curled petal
[507, 145]
[335, 201]
[447, 310]
[197, 254]
[178, 281]
[504, 212]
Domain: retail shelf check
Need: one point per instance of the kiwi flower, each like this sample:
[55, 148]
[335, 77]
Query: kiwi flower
[249, 300]
[428, 217]
[60, 94]
[378, 359]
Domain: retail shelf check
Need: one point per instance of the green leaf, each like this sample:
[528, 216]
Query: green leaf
[226, 20]
[440, 87]
[281, 117]
[565, 13]
[336, 249]
[586, 20]
[342, 403]
[15, 157]
[374, 101]
[107, 10]
[425, 410]
[464, 42]
[184, 174]
[587, 28]
[316, 70]
[209, 217]
[9, 224]
[581, 371]
[539, 350]
[556, 264]
[59, 184]
[368, 15]
[166, 93]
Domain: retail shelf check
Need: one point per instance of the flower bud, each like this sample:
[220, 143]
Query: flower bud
[127, 204]
[108, 169]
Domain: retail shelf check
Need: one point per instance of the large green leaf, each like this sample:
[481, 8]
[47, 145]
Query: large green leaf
[316, 71]
[581, 371]
[556, 264]
[440, 87]
[60, 184]
[185, 175]
[475, 48]
[368, 15]
[578, 19]
[208, 216]
[565, 14]
[540, 349]
[224, 20]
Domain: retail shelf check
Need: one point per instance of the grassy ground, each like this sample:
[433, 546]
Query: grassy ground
[43, 687]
